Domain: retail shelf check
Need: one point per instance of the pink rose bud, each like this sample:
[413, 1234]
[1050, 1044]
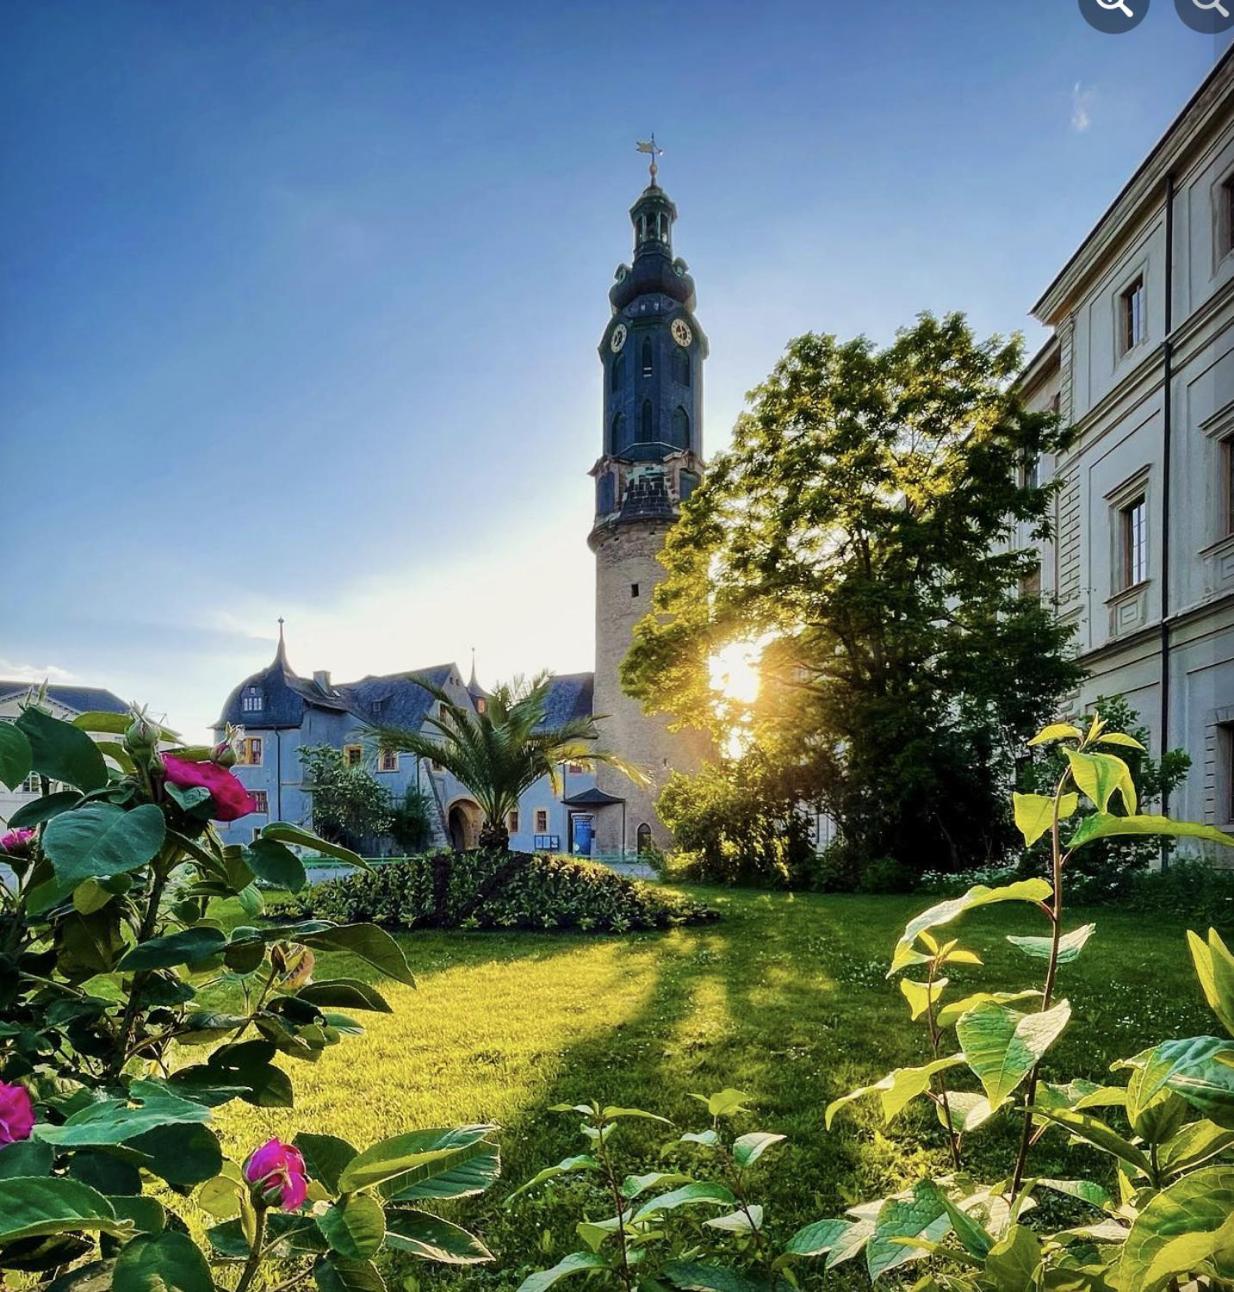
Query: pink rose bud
[276, 1173]
[142, 737]
[293, 962]
[16, 1113]
[17, 843]
[224, 754]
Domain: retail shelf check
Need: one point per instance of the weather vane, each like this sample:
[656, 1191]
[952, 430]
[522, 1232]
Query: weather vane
[648, 146]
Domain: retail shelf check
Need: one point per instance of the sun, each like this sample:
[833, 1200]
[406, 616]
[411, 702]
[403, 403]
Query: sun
[735, 673]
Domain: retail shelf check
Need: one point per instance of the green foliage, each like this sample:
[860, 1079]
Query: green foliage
[859, 527]
[350, 806]
[1107, 871]
[500, 752]
[112, 961]
[411, 821]
[1173, 1221]
[493, 889]
[738, 821]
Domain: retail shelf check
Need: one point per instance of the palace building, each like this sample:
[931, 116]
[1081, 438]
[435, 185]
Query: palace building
[651, 457]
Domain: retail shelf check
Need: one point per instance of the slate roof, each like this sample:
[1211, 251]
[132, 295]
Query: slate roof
[594, 797]
[81, 699]
[569, 696]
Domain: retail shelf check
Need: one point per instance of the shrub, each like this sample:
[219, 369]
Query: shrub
[411, 821]
[114, 1048]
[492, 889]
[1187, 890]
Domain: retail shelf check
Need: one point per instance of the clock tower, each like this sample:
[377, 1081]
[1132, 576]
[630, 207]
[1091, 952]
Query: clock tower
[652, 352]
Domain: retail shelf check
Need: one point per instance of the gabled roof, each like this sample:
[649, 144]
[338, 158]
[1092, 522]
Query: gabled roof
[81, 699]
[594, 797]
[569, 696]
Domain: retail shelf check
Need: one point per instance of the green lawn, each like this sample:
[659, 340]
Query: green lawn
[785, 998]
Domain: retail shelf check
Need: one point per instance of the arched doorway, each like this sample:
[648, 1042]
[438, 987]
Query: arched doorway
[463, 823]
[644, 839]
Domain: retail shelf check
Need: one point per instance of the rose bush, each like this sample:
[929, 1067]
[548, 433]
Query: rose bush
[111, 1066]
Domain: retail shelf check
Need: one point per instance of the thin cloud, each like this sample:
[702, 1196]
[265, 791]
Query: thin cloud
[1083, 99]
[13, 672]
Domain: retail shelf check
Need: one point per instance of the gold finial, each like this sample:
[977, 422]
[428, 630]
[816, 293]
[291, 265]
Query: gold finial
[649, 147]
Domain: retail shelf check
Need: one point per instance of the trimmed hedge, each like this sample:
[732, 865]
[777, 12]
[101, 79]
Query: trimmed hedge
[495, 890]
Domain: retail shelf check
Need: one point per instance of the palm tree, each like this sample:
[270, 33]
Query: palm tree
[499, 753]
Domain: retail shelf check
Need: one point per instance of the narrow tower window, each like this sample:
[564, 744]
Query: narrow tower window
[647, 368]
[648, 420]
[681, 366]
[617, 439]
[617, 373]
[681, 428]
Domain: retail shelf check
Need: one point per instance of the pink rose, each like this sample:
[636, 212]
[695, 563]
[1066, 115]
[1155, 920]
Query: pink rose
[276, 1172]
[16, 1113]
[17, 842]
[231, 799]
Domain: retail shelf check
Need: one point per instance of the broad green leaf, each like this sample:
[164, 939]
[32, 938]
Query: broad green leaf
[1014, 1260]
[325, 1156]
[1100, 826]
[726, 1103]
[16, 756]
[100, 839]
[958, 1008]
[114, 1121]
[695, 1276]
[402, 1153]
[896, 1089]
[1120, 738]
[220, 1197]
[62, 752]
[270, 860]
[1069, 945]
[187, 947]
[1057, 731]
[1085, 1190]
[922, 1215]
[818, 1238]
[1034, 813]
[921, 995]
[615, 1113]
[742, 1221]
[1001, 1046]
[345, 993]
[1094, 1131]
[1200, 1068]
[575, 1263]
[115, 724]
[183, 1155]
[167, 1262]
[26, 1157]
[1100, 776]
[31, 1207]
[583, 1162]
[147, 1215]
[747, 1149]
[1192, 1146]
[354, 1226]
[634, 1185]
[1178, 1230]
[43, 809]
[285, 832]
[336, 1274]
[687, 1196]
[433, 1239]
[1023, 890]
[974, 1237]
[366, 941]
[969, 1111]
[1214, 966]
[465, 1170]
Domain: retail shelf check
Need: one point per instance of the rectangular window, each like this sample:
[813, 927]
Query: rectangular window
[388, 761]
[634, 589]
[251, 702]
[576, 768]
[541, 820]
[249, 753]
[1030, 472]
[1133, 324]
[1225, 794]
[1225, 218]
[1030, 584]
[353, 755]
[260, 798]
[512, 823]
[1227, 483]
[33, 784]
[1133, 542]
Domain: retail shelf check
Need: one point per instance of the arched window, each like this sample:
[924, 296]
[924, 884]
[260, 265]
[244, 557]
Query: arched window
[605, 494]
[617, 436]
[617, 372]
[647, 367]
[681, 428]
[681, 366]
[644, 839]
[648, 423]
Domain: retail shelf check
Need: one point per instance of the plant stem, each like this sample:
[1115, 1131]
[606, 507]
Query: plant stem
[1051, 975]
[158, 881]
[953, 1139]
[253, 1263]
[627, 1279]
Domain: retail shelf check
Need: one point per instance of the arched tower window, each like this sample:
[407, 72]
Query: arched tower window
[617, 372]
[644, 839]
[648, 423]
[681, 366]
[647, 360]
[617, 436]
[681, 428]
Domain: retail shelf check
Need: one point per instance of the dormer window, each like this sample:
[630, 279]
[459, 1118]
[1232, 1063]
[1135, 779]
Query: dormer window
[252, 699]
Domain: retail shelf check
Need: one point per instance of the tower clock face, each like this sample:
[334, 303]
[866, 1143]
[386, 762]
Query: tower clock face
[618, 339]
[681, 332]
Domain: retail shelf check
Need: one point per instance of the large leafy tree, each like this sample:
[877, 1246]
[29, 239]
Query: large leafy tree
[502, 751]
[858, 531]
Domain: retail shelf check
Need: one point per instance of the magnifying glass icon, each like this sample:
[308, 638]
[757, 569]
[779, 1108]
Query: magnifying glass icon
[1121, 6]
[1206, 6]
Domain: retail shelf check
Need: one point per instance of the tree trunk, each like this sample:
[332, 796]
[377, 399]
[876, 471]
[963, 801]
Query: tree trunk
[495, 836]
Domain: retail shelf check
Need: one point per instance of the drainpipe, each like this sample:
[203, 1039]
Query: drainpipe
[1167, 357]
[278, 772]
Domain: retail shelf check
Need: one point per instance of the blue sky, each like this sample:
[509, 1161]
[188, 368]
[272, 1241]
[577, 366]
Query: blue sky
[299, 301]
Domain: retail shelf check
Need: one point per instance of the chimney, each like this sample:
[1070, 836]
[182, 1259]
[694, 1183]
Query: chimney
[322, 679]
